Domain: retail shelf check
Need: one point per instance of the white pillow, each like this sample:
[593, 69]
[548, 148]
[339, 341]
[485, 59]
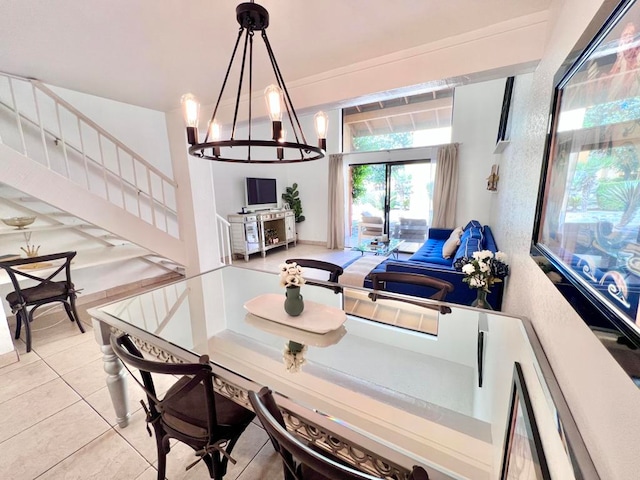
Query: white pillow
[452, 243]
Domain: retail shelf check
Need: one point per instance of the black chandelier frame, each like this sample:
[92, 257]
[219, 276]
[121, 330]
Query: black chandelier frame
[253, 17]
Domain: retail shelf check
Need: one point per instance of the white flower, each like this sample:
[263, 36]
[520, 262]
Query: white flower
[468, 268]
[293, 361]
[291, 275]
[484, 267]
[483, 255]
[501, 257]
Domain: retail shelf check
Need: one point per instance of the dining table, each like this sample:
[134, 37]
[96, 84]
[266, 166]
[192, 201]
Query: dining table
[380, 380]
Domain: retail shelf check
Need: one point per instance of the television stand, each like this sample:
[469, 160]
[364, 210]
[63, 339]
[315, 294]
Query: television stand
[261, 231]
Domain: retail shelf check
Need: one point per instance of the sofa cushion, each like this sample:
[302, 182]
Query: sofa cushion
[431, 252]
[452, 243]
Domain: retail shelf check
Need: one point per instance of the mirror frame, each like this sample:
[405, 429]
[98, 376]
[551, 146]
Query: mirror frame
[589, 299]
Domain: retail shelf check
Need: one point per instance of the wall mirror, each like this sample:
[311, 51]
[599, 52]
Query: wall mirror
[588, 217]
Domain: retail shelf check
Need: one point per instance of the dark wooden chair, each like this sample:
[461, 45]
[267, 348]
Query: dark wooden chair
[46, 290]
[440, 288]
[190, 411]
[299, 461]
[334, 270]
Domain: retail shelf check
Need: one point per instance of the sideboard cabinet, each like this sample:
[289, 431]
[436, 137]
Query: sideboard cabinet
[261, 231]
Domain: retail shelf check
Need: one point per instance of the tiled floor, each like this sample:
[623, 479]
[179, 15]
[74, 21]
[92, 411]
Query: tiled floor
[56, 418]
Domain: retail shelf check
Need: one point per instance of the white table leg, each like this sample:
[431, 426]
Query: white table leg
[116, 374]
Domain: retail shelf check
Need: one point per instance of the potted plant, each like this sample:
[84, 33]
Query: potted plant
[292, 197]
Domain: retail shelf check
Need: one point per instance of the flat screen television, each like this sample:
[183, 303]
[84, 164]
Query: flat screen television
[261, 193]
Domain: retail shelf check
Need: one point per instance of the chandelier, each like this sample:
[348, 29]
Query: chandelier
[255, 18]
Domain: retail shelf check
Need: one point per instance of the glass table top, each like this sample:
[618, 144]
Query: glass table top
[401, 373]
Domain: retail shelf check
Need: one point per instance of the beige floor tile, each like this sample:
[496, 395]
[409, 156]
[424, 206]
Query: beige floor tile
[24, 358]
[24, 379]
[136, 434]
[266, 464]
[87, 379]
[252, 440]
[40, 447]
[52, 328]
[107, 457]
[149, 474]
[100, 400]
[74, 357]
[25, 410]
[250, 443]
[63, 342]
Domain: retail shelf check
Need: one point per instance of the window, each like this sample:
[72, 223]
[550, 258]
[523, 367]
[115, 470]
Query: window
[588, 224]
[404, 122]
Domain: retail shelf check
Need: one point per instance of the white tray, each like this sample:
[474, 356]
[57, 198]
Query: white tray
[315, 318]
[297, 335]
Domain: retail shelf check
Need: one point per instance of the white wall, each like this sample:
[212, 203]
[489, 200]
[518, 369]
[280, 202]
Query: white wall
[311, 177]
[476, 115]
[603, 400]
[141, 129]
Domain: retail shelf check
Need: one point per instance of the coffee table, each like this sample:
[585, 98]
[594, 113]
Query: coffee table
[380, 248]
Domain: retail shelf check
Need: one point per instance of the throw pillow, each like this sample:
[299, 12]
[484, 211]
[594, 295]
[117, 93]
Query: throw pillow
[472, 223]
[451, 245]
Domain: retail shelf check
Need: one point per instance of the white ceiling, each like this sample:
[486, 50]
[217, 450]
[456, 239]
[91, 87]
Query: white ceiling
[149, 53]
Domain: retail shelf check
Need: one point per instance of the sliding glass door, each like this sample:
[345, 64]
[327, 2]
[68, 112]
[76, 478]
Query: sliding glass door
[398, 195]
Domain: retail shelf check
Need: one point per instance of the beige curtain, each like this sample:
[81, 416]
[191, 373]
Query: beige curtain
[335, 224]
[445, 189]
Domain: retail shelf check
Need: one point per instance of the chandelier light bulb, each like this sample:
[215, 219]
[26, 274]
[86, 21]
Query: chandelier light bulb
[214, 131]
[191, 109]
[321, 121]
[273, 96]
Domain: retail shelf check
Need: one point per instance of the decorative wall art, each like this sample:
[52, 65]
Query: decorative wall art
[522, 457]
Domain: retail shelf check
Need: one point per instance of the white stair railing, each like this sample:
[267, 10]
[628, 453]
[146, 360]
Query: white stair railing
[49, 130]
[224, 240]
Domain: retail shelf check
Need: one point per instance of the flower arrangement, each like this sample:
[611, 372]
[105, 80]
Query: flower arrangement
[293, 356]
[483, 269]
[291, 275]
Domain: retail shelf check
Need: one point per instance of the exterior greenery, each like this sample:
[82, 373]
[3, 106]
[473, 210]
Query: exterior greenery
[390, 141]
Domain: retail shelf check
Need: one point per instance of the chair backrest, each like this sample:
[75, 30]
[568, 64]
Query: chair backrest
[334, 270]
[16, 274]
[292, 450]
[199, 373]
[441, 288]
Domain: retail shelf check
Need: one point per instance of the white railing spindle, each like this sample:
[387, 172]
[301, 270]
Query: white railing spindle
[94, 168]
[41, 125]
[19, 123]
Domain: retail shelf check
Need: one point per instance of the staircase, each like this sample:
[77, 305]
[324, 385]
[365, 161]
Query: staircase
[88, 191]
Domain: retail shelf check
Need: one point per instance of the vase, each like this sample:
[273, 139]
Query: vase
[481, 300]
[293, 304]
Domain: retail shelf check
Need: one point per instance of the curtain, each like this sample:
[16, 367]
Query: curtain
[445, 189]
[335, 223]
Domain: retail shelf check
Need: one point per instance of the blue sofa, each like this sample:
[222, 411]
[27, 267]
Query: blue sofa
[428, 260]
